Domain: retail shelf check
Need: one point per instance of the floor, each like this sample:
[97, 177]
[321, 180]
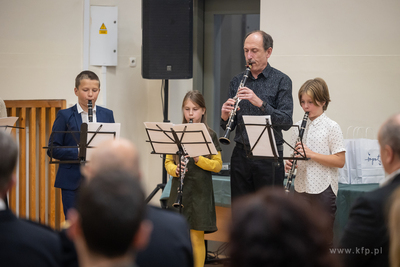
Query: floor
[215, 251]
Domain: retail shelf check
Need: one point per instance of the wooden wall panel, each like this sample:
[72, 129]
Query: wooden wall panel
[36, 117]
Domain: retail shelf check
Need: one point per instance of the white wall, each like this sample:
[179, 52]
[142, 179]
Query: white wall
[41, 52]
[353, 45]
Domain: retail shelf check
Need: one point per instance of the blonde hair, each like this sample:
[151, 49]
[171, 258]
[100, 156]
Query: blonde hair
[394, 229]
[317, 89]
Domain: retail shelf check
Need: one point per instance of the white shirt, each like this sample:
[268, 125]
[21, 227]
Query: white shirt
[323, 136]
[85, 115]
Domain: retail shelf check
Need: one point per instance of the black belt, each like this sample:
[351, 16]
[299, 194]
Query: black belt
[241, 146]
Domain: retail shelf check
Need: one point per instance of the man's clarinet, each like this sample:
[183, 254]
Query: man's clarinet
[90, 111]
[178, 201]
[299, 138]
[225, 139]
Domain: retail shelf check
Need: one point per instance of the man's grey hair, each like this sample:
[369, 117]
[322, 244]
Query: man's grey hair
[8, 158]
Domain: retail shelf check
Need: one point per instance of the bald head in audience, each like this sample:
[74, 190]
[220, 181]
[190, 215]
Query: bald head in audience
[389, 141]
[113, 154]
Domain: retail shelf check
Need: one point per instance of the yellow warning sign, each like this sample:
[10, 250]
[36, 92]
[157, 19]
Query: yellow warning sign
[103, 29]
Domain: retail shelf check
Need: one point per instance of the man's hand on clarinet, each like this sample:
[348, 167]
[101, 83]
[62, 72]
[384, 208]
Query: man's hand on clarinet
[226, 109]
[245, 93]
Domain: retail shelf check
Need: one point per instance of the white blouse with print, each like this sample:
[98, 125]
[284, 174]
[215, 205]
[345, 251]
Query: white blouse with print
[323, 136]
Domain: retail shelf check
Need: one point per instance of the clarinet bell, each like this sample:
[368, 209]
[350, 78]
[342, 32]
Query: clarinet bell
[177, 203]
[225, 139]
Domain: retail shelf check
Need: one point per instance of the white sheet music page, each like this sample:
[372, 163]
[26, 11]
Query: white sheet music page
[263, 147]
[7, 121]
[196, 139]
[161, 137]
[105, 132]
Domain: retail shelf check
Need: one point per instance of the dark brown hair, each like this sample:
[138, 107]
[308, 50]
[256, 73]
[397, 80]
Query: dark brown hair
[8, 158]
[272, 228]
[267, 39]
[86, 74]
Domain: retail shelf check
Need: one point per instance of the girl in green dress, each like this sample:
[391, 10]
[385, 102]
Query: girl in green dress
[198, 196]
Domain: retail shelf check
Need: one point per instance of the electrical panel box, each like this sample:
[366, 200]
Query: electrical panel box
[103, 36]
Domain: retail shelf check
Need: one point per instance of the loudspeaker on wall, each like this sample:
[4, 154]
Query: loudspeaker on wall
[167, 39]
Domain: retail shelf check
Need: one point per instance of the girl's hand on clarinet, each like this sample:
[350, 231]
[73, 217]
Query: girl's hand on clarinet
[182, 166]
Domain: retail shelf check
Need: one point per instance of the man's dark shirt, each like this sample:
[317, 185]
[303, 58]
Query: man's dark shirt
[271, 86]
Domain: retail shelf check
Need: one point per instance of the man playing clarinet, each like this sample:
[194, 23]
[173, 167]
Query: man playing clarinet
[267, 91]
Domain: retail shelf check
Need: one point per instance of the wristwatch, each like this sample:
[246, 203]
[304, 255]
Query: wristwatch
[263, 106]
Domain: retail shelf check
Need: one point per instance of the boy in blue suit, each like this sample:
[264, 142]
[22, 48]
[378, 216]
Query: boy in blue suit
[87, 87]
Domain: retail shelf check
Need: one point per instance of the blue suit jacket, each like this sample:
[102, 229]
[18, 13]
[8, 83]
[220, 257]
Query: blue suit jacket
[69, 175]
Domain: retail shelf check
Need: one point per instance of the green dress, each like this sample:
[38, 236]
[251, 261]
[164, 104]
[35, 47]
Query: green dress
[198, 195]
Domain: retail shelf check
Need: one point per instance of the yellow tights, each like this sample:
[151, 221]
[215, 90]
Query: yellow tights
[199, 248]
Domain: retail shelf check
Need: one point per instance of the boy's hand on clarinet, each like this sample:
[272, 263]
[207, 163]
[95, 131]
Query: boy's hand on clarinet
[309, 153]
[288, 165]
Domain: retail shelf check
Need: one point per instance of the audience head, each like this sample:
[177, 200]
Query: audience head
[389, 141]
[118, 154]
[317, 90]
[272, 228]
[394, 229]
[87, 87]
[8, 161]
[109, 220]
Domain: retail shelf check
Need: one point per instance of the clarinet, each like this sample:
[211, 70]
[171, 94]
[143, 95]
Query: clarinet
[299, 138]
[90, 111]
[178, 201]
[225, 139]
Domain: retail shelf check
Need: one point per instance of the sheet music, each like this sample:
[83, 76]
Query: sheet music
[263, 147]
[193, 140]
[99, 138]
[7, 121]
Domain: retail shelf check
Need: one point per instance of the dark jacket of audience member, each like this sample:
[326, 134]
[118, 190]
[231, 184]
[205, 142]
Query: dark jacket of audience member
[22, 243]
[365, 240]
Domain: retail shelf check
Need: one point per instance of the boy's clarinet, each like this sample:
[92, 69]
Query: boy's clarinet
[90, 111]
[178, 201]
[299, 138]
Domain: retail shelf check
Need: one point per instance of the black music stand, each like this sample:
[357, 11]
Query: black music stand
[260, 132]
[167, 138]
[83, 144]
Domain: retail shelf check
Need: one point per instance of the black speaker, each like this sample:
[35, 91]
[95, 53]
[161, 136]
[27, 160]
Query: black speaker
[167, 39]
